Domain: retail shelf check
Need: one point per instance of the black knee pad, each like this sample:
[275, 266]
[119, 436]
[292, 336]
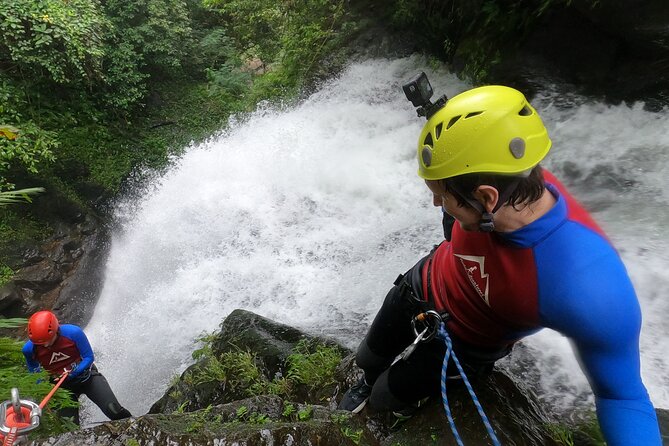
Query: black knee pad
[382, 397]
[370, 361]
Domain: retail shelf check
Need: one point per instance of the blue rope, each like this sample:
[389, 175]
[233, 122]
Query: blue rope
[443, 334]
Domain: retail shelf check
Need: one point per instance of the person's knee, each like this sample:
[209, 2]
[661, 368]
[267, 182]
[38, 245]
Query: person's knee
[116, 412]
[382, 397]
[367, 360]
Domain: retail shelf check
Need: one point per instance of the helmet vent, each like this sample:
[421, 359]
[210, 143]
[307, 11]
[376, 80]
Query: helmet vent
[426, 154]
[437, 130]
[453, 121]
[472, 114]
[525, 111]
[428, 140]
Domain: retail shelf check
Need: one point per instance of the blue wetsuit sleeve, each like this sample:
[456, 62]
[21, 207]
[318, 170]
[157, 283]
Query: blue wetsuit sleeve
[625, 412]
[598, 310]
[28, 352]
[81, 341]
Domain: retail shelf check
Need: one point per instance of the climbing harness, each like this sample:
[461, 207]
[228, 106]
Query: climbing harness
[18, 417]
[432, 324]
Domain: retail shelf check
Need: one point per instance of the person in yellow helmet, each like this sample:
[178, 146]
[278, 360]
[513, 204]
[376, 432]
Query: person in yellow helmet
[523, 255]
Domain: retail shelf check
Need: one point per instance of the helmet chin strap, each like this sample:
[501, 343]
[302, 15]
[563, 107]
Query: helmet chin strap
[487, 221]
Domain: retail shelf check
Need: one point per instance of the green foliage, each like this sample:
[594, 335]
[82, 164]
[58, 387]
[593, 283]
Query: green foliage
[242, 411]
[289, 37]
[224, 74]
[146, 38]
[586, 431]
[288, 409]
[33, 146]
[63, 40]
[244, 415]
[33, 386]
[13, 322]
[29, 146]
[589, 429]
[198, 419]
[258, 418]
[6, 274]
[159, 30]
[355, 435]
[561, 434]
[305, 413]
[237, 369]
[182, 406]
[313, 364]
[17, 227]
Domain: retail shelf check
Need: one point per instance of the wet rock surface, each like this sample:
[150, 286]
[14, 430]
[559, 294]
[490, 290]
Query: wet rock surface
[63, 274]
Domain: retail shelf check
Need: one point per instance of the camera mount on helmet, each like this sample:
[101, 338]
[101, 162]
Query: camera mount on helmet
[419, 91]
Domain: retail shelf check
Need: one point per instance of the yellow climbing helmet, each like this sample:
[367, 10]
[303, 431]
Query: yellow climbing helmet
[491, 129]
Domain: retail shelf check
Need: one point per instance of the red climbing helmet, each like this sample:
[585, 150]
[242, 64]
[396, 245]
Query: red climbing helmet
[42, 327]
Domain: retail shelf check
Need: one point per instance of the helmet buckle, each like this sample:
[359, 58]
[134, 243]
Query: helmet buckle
[487, 224]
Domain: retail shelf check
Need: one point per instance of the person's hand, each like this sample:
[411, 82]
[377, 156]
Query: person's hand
[68, 372]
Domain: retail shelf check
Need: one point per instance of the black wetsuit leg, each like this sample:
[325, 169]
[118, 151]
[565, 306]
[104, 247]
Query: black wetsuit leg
[97, 389]
[389, 334]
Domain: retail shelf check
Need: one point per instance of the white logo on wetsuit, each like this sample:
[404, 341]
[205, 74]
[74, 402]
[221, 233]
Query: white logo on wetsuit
[58, 356]
[479, 281]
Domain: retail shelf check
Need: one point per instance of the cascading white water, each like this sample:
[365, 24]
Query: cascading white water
[307, 215]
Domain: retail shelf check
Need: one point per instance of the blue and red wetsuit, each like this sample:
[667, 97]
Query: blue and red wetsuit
[71, 351]
[559, 272]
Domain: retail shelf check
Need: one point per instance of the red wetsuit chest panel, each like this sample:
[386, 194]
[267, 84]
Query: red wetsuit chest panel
[61, 355]
[488, 287]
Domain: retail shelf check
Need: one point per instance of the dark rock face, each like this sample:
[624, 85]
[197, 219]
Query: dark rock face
[64, 274]
[642, 23]
[618, 50]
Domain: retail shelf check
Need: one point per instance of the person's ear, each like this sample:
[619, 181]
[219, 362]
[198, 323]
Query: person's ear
[487, 196]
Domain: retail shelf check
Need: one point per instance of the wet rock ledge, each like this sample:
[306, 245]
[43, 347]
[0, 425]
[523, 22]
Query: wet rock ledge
[257, 382]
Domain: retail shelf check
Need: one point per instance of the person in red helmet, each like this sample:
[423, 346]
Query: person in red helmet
[63, 348]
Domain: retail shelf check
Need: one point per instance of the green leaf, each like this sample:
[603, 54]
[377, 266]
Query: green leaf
[18, 196]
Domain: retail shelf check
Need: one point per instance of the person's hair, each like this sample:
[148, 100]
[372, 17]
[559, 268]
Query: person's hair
[528, 190]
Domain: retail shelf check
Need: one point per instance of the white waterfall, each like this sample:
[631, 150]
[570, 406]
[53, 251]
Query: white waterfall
[307, 214]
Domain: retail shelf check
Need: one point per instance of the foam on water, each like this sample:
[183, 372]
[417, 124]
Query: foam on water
[306, 215]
